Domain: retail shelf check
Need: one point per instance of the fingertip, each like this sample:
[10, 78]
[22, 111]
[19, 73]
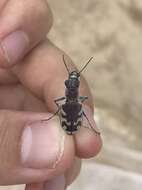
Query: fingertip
[88, 143]
[88, 138]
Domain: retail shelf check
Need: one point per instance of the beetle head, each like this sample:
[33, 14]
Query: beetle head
[73, 80]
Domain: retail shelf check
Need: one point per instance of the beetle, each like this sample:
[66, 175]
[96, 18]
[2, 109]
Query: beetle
[70, 109]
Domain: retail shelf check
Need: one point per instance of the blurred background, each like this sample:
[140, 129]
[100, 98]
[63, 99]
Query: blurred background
[111, 31]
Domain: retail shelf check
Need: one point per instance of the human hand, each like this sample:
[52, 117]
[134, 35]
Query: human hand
[30, 148]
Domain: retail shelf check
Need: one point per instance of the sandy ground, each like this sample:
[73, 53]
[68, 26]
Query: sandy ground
[111, 32]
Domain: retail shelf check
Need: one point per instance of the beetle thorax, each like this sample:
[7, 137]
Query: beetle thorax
[72, 85]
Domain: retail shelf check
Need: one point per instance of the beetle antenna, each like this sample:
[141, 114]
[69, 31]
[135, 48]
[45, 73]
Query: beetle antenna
[66, 64]
[85, 65]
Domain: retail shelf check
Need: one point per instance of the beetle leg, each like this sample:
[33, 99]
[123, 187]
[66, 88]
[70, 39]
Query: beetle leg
[97, 132]
[83, 98]
[52, 115]
[59, 100]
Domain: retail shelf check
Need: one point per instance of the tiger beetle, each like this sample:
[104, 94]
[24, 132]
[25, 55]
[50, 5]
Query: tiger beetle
[70, 108]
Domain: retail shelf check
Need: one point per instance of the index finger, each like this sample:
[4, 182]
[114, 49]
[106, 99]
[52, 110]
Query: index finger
[44, 73]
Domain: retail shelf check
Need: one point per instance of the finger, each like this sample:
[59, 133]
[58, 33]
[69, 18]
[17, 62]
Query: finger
[31, 150]
[72, 173]
[23, 25]
[16, 97]
[89, 129]
[47, 82]
[60, 182]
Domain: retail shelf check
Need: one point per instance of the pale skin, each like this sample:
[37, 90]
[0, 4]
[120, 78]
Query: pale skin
[29, 84]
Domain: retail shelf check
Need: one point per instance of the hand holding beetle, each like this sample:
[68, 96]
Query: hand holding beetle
[32, 151]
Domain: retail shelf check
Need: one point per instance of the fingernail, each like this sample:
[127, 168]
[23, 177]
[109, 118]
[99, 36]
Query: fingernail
[90, 123]
[14, 46]
[56, 183]
[42, 144]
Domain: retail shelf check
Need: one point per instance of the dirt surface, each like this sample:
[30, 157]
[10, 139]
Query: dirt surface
[102, 177]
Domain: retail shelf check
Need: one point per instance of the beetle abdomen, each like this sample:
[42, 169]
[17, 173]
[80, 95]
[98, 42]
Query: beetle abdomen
[71, 117]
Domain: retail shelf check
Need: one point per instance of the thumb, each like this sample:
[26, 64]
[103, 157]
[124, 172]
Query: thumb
[32, 150]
